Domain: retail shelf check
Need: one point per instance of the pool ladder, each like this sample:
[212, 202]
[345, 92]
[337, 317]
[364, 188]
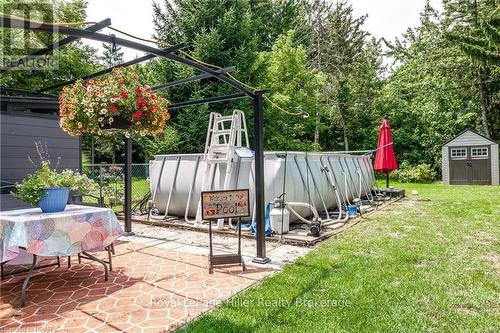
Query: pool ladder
[224, 134]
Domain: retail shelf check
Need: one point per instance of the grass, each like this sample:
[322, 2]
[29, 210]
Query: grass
[430, 264]
[140, 187]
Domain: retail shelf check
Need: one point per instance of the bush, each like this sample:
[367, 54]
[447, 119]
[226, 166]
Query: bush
[421, 173]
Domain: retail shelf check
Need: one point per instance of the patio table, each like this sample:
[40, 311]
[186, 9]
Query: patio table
[76, 230]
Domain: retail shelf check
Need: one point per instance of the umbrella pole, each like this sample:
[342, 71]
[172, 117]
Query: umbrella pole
[387, 179]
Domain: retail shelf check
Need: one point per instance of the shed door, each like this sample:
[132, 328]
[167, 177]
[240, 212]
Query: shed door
[470, 165]
[480, 163]
[459, 166]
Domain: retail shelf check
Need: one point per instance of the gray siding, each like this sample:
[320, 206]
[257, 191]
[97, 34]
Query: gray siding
[445, 166]
[8, 202]
[19, 132]
[495, 169]
[468, 138]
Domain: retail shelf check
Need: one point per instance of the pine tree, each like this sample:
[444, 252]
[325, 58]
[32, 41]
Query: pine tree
[110, 58]
[474, 26]
[317, 12]
[223, 33]
[340, 45]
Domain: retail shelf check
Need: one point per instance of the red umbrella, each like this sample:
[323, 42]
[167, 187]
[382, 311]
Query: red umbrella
[385, 160]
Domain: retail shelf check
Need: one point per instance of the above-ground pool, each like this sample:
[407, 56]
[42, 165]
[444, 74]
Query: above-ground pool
[176, 180]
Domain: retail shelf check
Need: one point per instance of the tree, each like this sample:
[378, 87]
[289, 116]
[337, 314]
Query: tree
[341, 47]
[317, 12]
[74, 60]
[108, 148]
[223, 33]
[430, 96]
[296, 89]
[474, 26]
[275, 17]
[111, 57]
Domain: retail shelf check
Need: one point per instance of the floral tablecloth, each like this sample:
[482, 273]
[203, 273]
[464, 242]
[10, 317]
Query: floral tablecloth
[76, 229]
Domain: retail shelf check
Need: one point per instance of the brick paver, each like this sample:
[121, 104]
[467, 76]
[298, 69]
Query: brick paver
[151, 289]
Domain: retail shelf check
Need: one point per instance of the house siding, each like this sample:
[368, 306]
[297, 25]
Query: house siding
[19, 132]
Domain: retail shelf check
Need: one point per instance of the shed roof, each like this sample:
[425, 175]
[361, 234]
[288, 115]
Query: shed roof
[465, 131]
[29, 105]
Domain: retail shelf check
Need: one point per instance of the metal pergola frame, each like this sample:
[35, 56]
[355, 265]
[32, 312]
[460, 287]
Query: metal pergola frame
[92, 33]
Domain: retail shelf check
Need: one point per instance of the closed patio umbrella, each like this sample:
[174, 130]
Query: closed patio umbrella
[385, 160]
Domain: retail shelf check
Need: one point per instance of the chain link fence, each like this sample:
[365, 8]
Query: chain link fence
[111, 181]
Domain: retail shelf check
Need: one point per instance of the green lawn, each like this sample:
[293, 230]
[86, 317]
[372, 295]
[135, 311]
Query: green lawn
[140, 188]
[426, 265]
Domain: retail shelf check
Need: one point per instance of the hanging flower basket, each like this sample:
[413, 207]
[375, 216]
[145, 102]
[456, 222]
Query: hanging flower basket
[117, 101]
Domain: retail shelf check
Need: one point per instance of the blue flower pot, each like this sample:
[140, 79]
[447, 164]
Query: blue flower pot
[54, 199]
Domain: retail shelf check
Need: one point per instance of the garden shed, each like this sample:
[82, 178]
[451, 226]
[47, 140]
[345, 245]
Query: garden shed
[470, 158]
[25, 120]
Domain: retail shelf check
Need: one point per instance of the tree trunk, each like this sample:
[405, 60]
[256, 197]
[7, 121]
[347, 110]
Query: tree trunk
[318, 64]
[484, 103]
[346, 141]
[316, 128]
[482, 89]
[344, 129]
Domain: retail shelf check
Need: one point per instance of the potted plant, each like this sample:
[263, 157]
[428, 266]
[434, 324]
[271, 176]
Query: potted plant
[49, 189]
[116, 101]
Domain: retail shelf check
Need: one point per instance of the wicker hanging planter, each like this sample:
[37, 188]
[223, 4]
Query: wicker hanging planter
[117, 101]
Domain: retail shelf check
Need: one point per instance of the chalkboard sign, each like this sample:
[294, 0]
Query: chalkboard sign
[225, 204]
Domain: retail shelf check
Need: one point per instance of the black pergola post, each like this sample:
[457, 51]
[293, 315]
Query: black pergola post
[127, 205]
[258, 119]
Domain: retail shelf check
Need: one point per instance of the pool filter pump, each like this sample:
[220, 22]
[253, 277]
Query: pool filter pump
[279, 216]
[315, 227]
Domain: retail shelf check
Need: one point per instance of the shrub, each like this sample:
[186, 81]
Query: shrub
[420, 173]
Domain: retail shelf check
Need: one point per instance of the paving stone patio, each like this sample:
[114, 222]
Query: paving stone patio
[151, 289]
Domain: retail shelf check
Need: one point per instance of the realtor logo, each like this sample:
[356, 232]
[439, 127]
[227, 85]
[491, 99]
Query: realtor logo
[18, 47]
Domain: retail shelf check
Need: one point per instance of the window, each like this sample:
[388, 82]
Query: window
[479, 152]
[458, 153]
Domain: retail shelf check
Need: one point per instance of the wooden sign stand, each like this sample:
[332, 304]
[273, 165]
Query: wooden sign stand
[224, 204]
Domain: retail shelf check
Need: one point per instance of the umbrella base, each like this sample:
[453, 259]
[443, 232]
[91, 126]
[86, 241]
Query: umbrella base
[393, 192]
